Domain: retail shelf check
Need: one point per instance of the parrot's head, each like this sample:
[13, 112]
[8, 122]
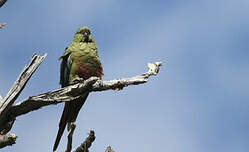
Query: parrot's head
[83, 34]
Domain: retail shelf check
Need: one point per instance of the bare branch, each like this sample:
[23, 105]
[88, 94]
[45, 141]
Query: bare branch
[2, 24]
[8, 111]
[119, 84]
[2, 2]
[18, 87]
[109, 149]
[75, 91]
[87, 143]
[1, 100]
[7, 140]
[65, 94]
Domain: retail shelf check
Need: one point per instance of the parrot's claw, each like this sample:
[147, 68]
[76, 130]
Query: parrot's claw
[77, 80]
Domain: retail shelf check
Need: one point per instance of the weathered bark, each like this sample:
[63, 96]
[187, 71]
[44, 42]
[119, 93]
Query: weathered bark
[2, 25]
[75, 91]
[65, 94]
[2, 2]
[109, 149]
[87, 143]
[7, 140]
[16, 89]
[9, 112]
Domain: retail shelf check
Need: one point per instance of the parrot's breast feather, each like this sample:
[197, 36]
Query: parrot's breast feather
[86, 71]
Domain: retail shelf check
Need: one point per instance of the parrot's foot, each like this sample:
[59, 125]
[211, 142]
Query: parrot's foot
[77, 80]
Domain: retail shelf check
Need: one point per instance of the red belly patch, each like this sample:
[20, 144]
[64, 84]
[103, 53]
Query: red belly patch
[85, 72]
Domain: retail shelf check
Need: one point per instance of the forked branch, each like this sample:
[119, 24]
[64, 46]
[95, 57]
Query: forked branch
[75, 91]
[17, 88]
[9, 111]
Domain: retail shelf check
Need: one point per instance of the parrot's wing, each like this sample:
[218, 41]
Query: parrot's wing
[65, 68]
[64, 81]
[66, 52]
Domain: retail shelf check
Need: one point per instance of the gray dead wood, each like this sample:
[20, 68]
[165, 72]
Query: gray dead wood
[2, 25]
[65, 94]
[87, 143]
[75, 91]
[16, 89]
[1, 100]
[2, 2]
[109, 149]
[119, 84]
[7, 140]
[9, 112]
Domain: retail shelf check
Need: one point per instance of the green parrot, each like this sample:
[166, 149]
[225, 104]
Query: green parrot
[80, 61]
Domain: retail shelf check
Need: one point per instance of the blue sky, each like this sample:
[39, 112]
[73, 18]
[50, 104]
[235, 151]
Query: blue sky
[197, 103]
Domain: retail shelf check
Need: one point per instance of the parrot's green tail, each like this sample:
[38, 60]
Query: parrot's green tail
[70, 113]
[59, 134]
[62, 125]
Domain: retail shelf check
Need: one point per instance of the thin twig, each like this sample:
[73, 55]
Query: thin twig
[2, 2]
[87, 143]
[1, 100]
[2, 25]
[119, 84]
[109, 149]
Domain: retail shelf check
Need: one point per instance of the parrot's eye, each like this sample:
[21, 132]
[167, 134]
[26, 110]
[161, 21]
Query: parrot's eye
[84, 32]
[87, 32]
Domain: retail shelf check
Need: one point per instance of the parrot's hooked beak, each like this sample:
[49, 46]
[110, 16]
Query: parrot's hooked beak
[86, 34]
